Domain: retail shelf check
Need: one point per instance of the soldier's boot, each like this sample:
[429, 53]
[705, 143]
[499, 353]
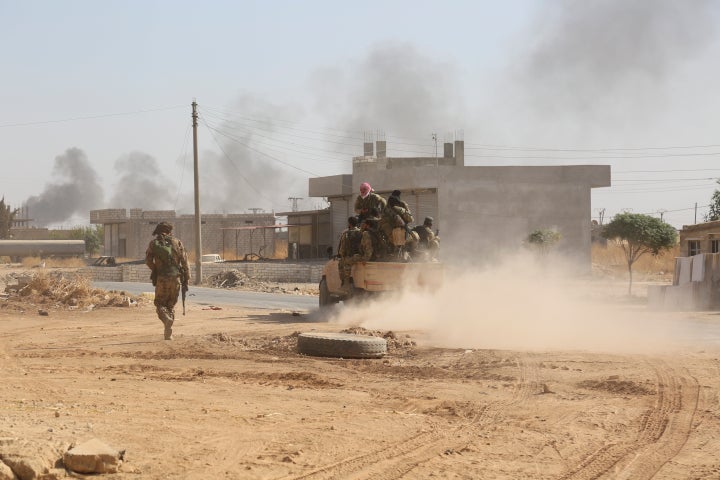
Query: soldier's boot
[166, 318]
[169, 324]
[168, 330]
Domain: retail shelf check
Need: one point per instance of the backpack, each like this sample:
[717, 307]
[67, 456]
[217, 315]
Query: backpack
[165, 261]
[352, 242]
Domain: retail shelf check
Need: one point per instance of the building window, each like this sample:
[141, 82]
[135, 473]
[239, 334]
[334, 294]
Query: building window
[715, 246]
[693, 247]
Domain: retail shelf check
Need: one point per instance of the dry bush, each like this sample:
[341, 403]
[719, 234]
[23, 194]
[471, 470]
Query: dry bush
[71, 290]
[281, 249]
[612, 259]
[74, 262]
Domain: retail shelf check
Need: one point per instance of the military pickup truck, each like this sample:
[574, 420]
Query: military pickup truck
[372, 278]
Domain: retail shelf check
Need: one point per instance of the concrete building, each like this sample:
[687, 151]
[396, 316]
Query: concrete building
[309, 234]
[233, 236]
[480, 211]
[700, 238]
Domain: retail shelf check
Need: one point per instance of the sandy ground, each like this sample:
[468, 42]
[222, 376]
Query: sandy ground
[230, 398]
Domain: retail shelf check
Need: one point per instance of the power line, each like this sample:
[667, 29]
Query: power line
[468, 146]
[597, 157]
[313, 149]
[655, 180]
[233, 163]
[356, 146]
[241, 142]
[90, 117]
[599, 149]
[668, 171]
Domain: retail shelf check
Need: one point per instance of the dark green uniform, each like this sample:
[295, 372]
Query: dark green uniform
[389, 220]
[428, 240]
[349, 246]
[364, 205]
[167, 259]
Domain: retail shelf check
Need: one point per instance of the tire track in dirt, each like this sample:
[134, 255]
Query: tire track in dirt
[665, 428]
[401, 458]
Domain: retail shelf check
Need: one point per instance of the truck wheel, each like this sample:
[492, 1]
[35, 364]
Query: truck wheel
[325, 298]
[344, 345]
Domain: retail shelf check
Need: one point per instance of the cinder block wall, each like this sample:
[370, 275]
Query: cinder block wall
[271, 272]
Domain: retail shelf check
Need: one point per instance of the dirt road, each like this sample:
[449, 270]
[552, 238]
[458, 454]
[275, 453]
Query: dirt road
[230, 398]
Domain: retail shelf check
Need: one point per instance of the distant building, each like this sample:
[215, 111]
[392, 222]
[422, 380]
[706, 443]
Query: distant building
[700, 238]
[309, 234]
[233, 236]
[480, 211]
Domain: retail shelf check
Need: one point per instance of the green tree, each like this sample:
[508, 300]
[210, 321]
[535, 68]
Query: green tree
[7, 216]
[543, 239]
[639, 234]
[714, 212]
[93, 237]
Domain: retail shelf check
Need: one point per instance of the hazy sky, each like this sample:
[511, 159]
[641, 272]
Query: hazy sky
[98, 93]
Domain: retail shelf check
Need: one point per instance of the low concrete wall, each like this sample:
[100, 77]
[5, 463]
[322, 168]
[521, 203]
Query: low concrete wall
[696, 285]
[271, 272]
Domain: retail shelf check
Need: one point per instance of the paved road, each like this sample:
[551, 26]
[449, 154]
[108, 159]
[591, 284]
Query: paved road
[216, 296]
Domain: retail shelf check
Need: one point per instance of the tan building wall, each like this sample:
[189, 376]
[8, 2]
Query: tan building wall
[700, 238]
[309, 272]
[127, 236]
[480, 211]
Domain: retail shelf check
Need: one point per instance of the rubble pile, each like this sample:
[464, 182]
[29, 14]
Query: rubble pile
[62, 290]
[235, 279]
[227, 279]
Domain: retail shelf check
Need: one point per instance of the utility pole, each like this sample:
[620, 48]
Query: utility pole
[601, 215]
[695, 212]
[662, 212]
[294, 203]
[198, 236]
[434, 137]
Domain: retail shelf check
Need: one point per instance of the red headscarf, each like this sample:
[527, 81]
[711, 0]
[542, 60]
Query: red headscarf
[365, 189]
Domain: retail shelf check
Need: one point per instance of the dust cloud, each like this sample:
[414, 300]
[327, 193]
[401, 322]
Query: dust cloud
[523, 304]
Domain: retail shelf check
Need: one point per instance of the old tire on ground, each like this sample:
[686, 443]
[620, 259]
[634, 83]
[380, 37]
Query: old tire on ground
[325, 299]
[343, 345]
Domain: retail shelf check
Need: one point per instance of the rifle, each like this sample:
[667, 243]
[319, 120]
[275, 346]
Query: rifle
[184, 291]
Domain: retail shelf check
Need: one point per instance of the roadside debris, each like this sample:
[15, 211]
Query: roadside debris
[62, 290]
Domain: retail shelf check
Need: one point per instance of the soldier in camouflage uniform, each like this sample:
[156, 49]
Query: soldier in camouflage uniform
[427, 238]
[396, 215]
[349, 246]
[166, 258]
[372, 246]
[367, 200]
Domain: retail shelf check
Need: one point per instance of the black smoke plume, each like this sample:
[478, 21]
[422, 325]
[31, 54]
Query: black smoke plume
[142, 184]
[74, 191]
[395, 88]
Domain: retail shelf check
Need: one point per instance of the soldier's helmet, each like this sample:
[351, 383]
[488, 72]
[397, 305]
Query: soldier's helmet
[428, 221]
[162, 228]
